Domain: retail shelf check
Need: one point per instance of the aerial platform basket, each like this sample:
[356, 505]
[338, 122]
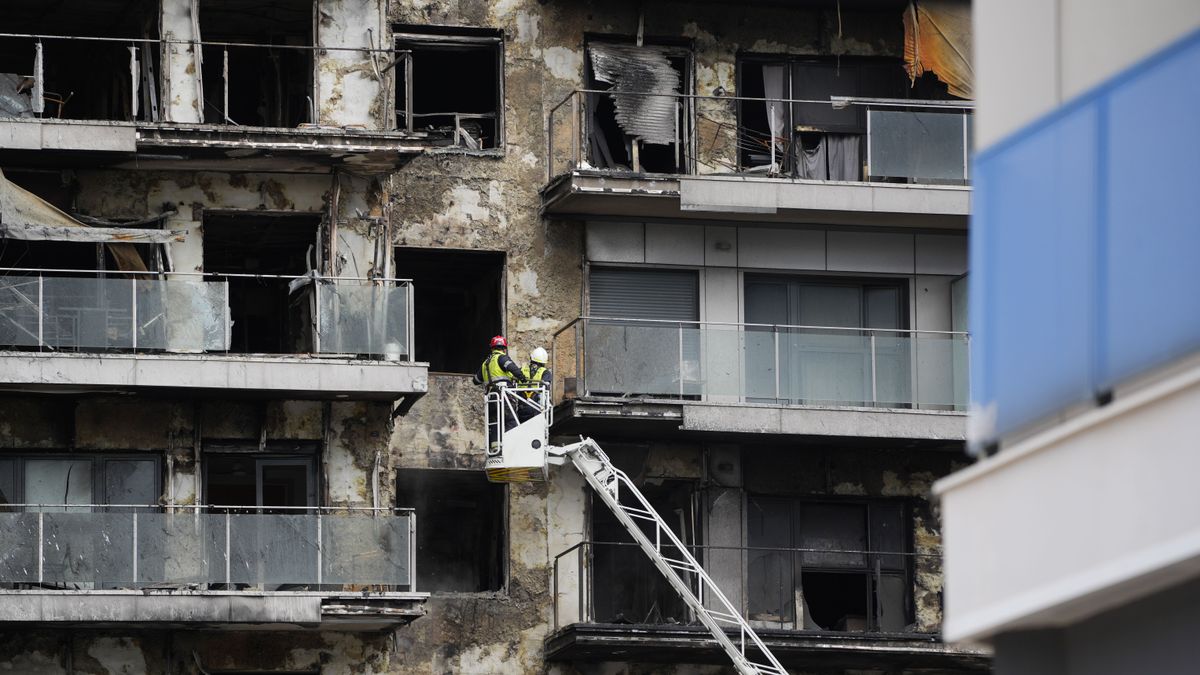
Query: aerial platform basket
[519, 453]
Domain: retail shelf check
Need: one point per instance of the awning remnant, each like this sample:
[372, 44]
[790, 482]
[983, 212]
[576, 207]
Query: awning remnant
[937, 39]
[641, 70]
[24, 215]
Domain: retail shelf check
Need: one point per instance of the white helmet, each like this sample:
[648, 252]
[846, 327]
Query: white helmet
[538, 356]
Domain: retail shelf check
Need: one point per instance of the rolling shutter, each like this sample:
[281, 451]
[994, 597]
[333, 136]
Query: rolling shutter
[672, 295]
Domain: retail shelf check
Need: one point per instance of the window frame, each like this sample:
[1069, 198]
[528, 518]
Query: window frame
[98, 472]
[462, 37]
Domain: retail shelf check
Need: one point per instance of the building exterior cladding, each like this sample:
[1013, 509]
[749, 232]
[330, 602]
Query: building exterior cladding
[250, 270]
[1084, 376]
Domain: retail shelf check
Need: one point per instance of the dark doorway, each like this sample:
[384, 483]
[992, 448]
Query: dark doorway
[266, 318]
[458, 299]
[260, 480]
[271, 85]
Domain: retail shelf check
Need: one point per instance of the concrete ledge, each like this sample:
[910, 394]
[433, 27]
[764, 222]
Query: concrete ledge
[802, 650]
[38, 134]
[756, 199]
[217, 608]
[818, 421]
[290, 376]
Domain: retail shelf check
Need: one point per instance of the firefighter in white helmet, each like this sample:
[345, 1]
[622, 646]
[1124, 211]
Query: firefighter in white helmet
[536, 375]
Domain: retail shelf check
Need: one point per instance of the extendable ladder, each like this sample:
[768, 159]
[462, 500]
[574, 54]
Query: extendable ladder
[610, 482]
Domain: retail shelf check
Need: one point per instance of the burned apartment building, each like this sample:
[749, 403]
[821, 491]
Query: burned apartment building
[252, 253]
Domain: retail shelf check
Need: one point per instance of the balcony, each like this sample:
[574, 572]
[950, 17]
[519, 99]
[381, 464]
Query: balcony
[762, 379]
[348, 568]
[212, 104]
[87, 331]
[909, 168]
[609, 598]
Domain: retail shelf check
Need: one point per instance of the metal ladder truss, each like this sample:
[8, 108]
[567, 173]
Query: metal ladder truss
[609, 482]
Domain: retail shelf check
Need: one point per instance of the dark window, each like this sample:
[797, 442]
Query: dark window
[82, 79]
[65, 479]
[458, 297]
[449, 85]
[812, 140]
[646, 126]
[627, 587]
[461, 539]
[268, 85]
[838, 566]
[247, 479]
[267, 318]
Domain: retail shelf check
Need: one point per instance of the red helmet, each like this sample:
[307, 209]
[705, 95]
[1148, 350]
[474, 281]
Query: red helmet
[499, 341]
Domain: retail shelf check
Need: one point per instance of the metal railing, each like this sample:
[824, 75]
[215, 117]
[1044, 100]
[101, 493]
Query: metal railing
[146, 73]
[762, 363]
[104, 546]
[86, 310]
[903, 140]
[612, 582]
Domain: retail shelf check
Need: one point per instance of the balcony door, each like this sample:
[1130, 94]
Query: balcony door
[791, 358]
[272, 538]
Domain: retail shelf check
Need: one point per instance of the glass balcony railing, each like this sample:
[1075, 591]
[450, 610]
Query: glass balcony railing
[759, 363]
[105, 547]
[877, 139]
[81, 311]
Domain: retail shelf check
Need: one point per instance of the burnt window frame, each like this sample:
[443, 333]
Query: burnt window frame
[445, 37]
[681, 48]
[871, 570]
[498, 492]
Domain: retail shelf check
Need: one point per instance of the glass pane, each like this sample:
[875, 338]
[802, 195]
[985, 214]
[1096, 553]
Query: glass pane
[273, 549]
[831, 367]
[181, 548]
[284, 484]
[19, 311]
[917, 145]
[8, 481]
[82, 313]
[893, 381]
[643, 358]
[130, 482]
[822, 305]
[891, 614]
[883, 307]
[889, 534]
[18, 556]
[364, 549]
[362, 318]
[182, 315]
[58, 481]
[832, 527]
[770, 581]
[88, 548]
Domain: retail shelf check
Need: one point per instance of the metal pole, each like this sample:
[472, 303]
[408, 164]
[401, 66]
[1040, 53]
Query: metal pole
[576, 130]
[966, 148]
[874, 390]
[554, 588]
[868, 176]
[320, 550]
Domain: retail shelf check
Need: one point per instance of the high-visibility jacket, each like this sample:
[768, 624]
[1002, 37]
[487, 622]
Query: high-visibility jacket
[534, 372]
[495, 368]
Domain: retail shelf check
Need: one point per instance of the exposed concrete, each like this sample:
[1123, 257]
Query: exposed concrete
[35, 134]
[283, 376]
[180, 62]
[350, 87]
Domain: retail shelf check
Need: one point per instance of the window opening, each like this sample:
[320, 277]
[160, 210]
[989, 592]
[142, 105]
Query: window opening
[81, 79]
[462, 110]
[627, 588]
[458, 297]
[267, 319]
[461, 537]
[834, 566]
[61, 480]
[812, 140]
[646, 126]
[268, 85]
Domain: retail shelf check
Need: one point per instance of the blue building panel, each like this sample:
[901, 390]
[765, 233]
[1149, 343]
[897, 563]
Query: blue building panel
[1085, 240]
